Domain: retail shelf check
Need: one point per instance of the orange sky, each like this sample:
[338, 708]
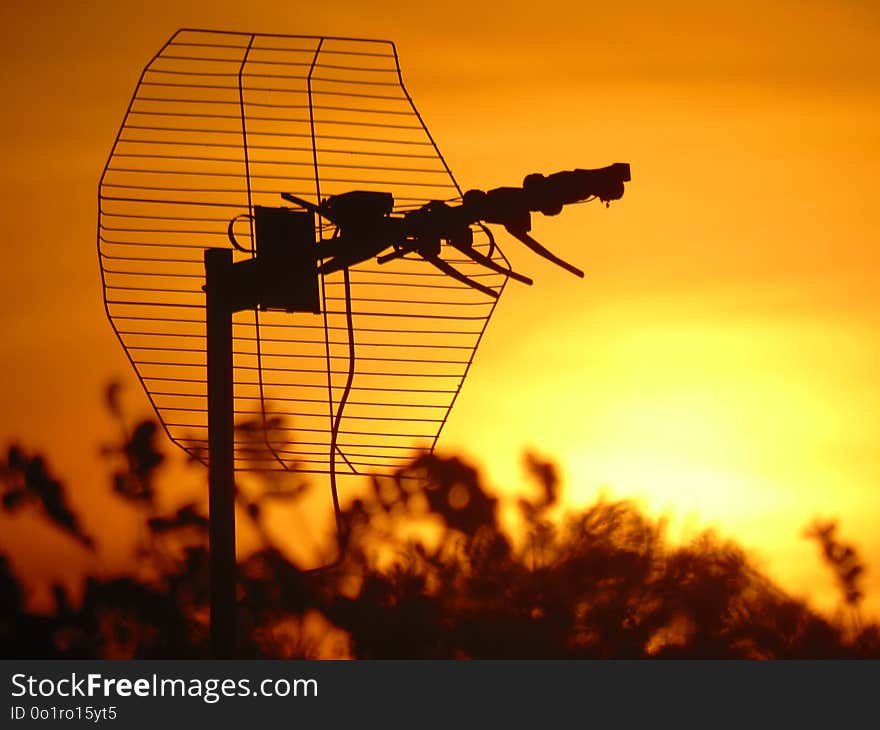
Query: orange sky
[720, 360]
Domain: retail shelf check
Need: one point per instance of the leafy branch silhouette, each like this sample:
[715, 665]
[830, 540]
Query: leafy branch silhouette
[427, 570]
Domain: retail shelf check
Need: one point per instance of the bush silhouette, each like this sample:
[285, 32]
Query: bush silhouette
[426, 569]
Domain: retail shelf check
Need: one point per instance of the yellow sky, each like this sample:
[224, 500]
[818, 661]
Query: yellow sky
[721, 359]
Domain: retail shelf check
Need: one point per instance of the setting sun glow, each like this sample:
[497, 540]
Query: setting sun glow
[720, 361]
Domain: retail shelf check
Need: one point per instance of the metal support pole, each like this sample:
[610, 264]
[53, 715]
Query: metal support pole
[221, 432]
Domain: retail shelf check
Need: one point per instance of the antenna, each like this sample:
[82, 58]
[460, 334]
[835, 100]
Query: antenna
[282, 244]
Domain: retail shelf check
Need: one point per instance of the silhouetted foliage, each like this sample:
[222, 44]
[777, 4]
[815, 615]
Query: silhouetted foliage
[139, 454]
[843, 559]
[26, 480]
[427, 569]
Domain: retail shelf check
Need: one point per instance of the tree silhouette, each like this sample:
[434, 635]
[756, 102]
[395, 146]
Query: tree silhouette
[427, 570]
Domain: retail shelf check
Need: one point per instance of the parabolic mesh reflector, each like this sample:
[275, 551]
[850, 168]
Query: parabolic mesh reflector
[220, 123]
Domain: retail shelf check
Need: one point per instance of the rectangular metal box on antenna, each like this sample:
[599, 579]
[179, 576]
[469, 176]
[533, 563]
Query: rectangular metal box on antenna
[286, 260]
